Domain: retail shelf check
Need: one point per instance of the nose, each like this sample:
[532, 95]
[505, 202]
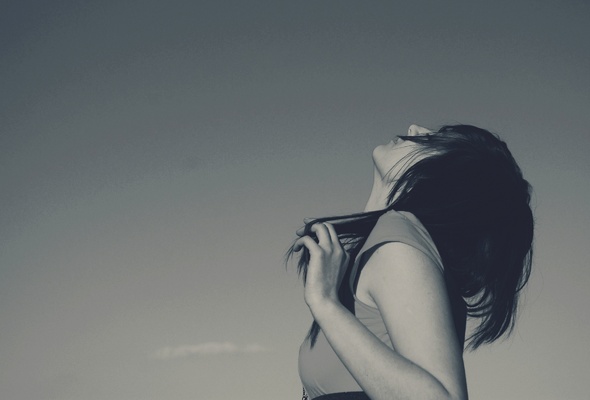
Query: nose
[417, 130]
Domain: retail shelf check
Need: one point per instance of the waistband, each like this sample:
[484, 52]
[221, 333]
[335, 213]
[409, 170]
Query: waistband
[343, 396]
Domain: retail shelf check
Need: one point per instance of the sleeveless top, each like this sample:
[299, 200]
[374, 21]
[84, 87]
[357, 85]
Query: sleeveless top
[320, 369]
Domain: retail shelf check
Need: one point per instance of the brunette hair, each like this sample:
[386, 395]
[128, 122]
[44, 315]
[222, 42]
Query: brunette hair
[470, 195]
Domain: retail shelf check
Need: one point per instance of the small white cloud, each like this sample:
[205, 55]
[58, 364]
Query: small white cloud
[207, 349]
[253, 348]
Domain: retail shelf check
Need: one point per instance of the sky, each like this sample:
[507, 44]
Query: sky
[156, 159]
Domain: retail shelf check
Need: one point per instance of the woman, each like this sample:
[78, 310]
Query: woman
[447, 233]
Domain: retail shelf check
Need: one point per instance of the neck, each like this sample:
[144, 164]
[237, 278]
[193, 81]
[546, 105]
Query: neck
[378, 198]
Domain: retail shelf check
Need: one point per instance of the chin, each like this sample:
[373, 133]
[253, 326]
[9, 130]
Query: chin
[378, 152]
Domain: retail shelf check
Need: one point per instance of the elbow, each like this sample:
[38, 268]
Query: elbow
[460, 394]
[458, 397]
[451, 392]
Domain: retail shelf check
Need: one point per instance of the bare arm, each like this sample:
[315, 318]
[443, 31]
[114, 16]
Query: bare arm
[410, 293]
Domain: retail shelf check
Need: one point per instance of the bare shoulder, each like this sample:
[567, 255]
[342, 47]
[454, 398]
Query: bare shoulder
[393, 264]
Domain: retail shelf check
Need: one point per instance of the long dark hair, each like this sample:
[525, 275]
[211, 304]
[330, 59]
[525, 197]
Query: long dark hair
[470, 195]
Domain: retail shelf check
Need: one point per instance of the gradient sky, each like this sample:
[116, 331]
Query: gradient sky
[157, 157]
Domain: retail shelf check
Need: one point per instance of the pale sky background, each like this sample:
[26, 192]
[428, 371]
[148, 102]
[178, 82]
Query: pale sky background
[156, 159]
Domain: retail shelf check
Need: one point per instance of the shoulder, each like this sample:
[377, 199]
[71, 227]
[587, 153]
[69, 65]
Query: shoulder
[411, 294]
[398, 267]
[398, 242]
[394, 269]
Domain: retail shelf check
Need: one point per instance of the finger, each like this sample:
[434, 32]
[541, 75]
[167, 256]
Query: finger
[303, 230]
[307, 242]
[332, 232]
[322, 233]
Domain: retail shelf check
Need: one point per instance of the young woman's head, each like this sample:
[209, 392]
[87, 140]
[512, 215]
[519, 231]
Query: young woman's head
[465, 187]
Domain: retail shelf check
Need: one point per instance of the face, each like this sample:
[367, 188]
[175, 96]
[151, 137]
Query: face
[395, 157]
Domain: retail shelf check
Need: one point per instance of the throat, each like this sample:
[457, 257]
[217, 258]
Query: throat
[379, 193]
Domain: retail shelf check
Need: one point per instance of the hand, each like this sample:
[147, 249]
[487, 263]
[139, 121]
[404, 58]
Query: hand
[327, 264]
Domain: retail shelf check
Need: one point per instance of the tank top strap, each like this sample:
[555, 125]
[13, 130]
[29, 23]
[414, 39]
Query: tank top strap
[396, 226]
